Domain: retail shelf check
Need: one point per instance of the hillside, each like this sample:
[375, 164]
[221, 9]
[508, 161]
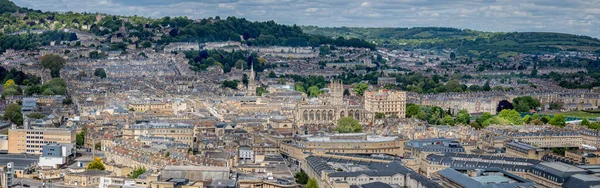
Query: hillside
[471, 43]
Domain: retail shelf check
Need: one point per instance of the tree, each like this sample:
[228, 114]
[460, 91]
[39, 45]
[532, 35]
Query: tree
[527, 119]
[379, 115]
[36, 115]
[503, 105]
[536, 122]
[9, 83]
[54, 63]
[48, 92]
[100, 72]
[137, 172]
[448, 120]
[493, 121]
[167, 154]
[80, 137]
[484, 117]
[545, 119]
[526, 103]
[245, 79]
[301, 177]
[558, 120]
[360, 88]
[12, 112]
[348, 125]
[453, 86]
[585, 122]
[314, 91]
[300, 88]
[34, 89]
[260, 91]
[67, 101]
[535, 116]
[555, 106]
[272, 74]
[463, 117]
[452, 56]
[486, 86]
[96, 164]
[312, 183]
[146, 44]
[511, 116]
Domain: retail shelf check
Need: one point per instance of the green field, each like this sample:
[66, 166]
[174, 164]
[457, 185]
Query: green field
[578, 114]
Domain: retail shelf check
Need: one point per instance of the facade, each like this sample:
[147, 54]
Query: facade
[329, 109]
[436, 162]
[195, 173]
[246, 154]
[55, 155]
[85, 178]
[523, 150]
[31, 141]
[422, 148]
[386, 102]
[550, 139]
[345, 143]
[180, 132]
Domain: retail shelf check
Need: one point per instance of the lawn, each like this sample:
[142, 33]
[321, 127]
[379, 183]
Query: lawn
[578, 114]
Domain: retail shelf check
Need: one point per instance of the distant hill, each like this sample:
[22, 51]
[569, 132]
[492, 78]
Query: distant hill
[465, 42]
[10, 7]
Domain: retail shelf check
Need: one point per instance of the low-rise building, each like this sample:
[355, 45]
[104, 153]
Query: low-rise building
[481, 178]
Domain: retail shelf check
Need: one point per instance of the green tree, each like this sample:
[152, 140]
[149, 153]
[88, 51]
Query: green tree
[527, 119]
[452, 56]
[585, 122]
[493, 121]
[558, 120]
[36, 115]
[484, 117]
[360, 88]
[346, 92]
[536, 122]
[536, 116]
[379, 115]
[80, 137]
[54, 63]
[100, 72]
[96, 164]
[260, 91]
[146, 44]
[555, 106]
[301, 177]
[272, 74]
[299, 88]
[48, 92]
[34, 89]
[312, 183]
[453, 86]
[137, 172]
[511, 116]
[545, 119]
[12, 112]
[525, 103]
[448, 120]
[167, 154]
[463, 117]
[348, 125]
[412, 110]
[314, 91]
[67, 101]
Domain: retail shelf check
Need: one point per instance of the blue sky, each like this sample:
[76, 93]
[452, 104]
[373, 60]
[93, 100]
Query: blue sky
[580, 17]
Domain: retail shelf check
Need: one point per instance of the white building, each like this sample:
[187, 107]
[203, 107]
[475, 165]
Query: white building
[246, 154]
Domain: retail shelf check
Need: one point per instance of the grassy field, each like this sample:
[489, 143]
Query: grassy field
[578, 114]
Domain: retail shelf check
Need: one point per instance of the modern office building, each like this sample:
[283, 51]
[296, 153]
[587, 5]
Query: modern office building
[31, 141]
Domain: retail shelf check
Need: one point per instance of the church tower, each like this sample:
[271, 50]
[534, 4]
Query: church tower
[251, 91]
[336, 89]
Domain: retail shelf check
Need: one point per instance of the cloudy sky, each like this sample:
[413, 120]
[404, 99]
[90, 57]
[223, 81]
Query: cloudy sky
[580, 17]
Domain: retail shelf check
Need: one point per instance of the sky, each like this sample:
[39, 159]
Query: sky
[581, 17]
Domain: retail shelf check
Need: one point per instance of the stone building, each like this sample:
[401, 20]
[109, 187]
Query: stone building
[386, 102]
[251, 90]
[329, 109]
